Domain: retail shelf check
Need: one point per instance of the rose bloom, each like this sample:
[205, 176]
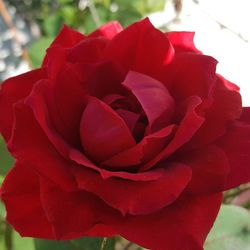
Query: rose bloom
[123, 132]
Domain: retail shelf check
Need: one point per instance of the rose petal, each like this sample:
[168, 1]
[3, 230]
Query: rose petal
[187, 128]
[37, 102]
[66, 38]
[190, 74]
[108, 30]
[72, 213]
[130, 118]
[58, 107]
[137, 197]
[183, 225]
[104, 79]
[226, 106]
[110, 99]
[13, 90]
[155, 99]
[101, 230]
[56, 57]
[87, 51]
[20, 191]
[182, 41]
[209, 169]
[245, 116]
[103, 132]
[236, 143]
[142, 152]
[37, 152]
[140, 47]
[79, 158]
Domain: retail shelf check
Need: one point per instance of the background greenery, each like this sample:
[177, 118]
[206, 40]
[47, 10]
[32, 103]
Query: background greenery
[232, 227]
[84, 15]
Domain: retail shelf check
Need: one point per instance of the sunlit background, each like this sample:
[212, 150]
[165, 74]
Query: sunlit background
[222, 30]
[221, 26]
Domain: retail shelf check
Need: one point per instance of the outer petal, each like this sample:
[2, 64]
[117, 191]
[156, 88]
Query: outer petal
[210, 169]
[73, 213]
[226, 107]
[38, 103]
[21, 194]
[13, 90]
[155, 99]
[87, 51]
[30, 145]
[56, 61]
[103, 132]
[191, 74]
[245, 117]
[140, 47]
[137, 197]
[108, 30]
[67, 38]
[236, 144]
[182, 41]
[58, 106]
[183, 225]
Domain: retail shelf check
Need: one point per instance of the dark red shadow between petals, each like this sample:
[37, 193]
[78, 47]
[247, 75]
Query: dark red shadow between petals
[154, 98]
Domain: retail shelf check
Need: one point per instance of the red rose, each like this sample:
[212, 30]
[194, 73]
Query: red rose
[127, 132]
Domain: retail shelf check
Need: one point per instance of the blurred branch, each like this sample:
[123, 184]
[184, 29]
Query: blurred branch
[128, 246]
[104, 241]
[94, 13]
[9, 23]
[231, 194]
[8, 237]
[178, 6]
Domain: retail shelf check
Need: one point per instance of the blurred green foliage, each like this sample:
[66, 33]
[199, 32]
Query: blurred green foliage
[51, 14]
[6, 161]
[231, 230]
[84, 15]
[86, 243]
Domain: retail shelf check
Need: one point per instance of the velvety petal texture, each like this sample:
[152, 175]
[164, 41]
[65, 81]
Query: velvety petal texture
[125, 132]
[12, 91]
[21, 189]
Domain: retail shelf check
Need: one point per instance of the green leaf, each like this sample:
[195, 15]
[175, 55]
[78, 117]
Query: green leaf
[37, 50]
[94, 243]
[2, 210]
[55, 245]
[106, 3]
[110, 244]
[65, 1]
[86, 243]
[231, 230]
[21, 243]
[5, 158]
[1, 179]
[69, 14]
[143, 7]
